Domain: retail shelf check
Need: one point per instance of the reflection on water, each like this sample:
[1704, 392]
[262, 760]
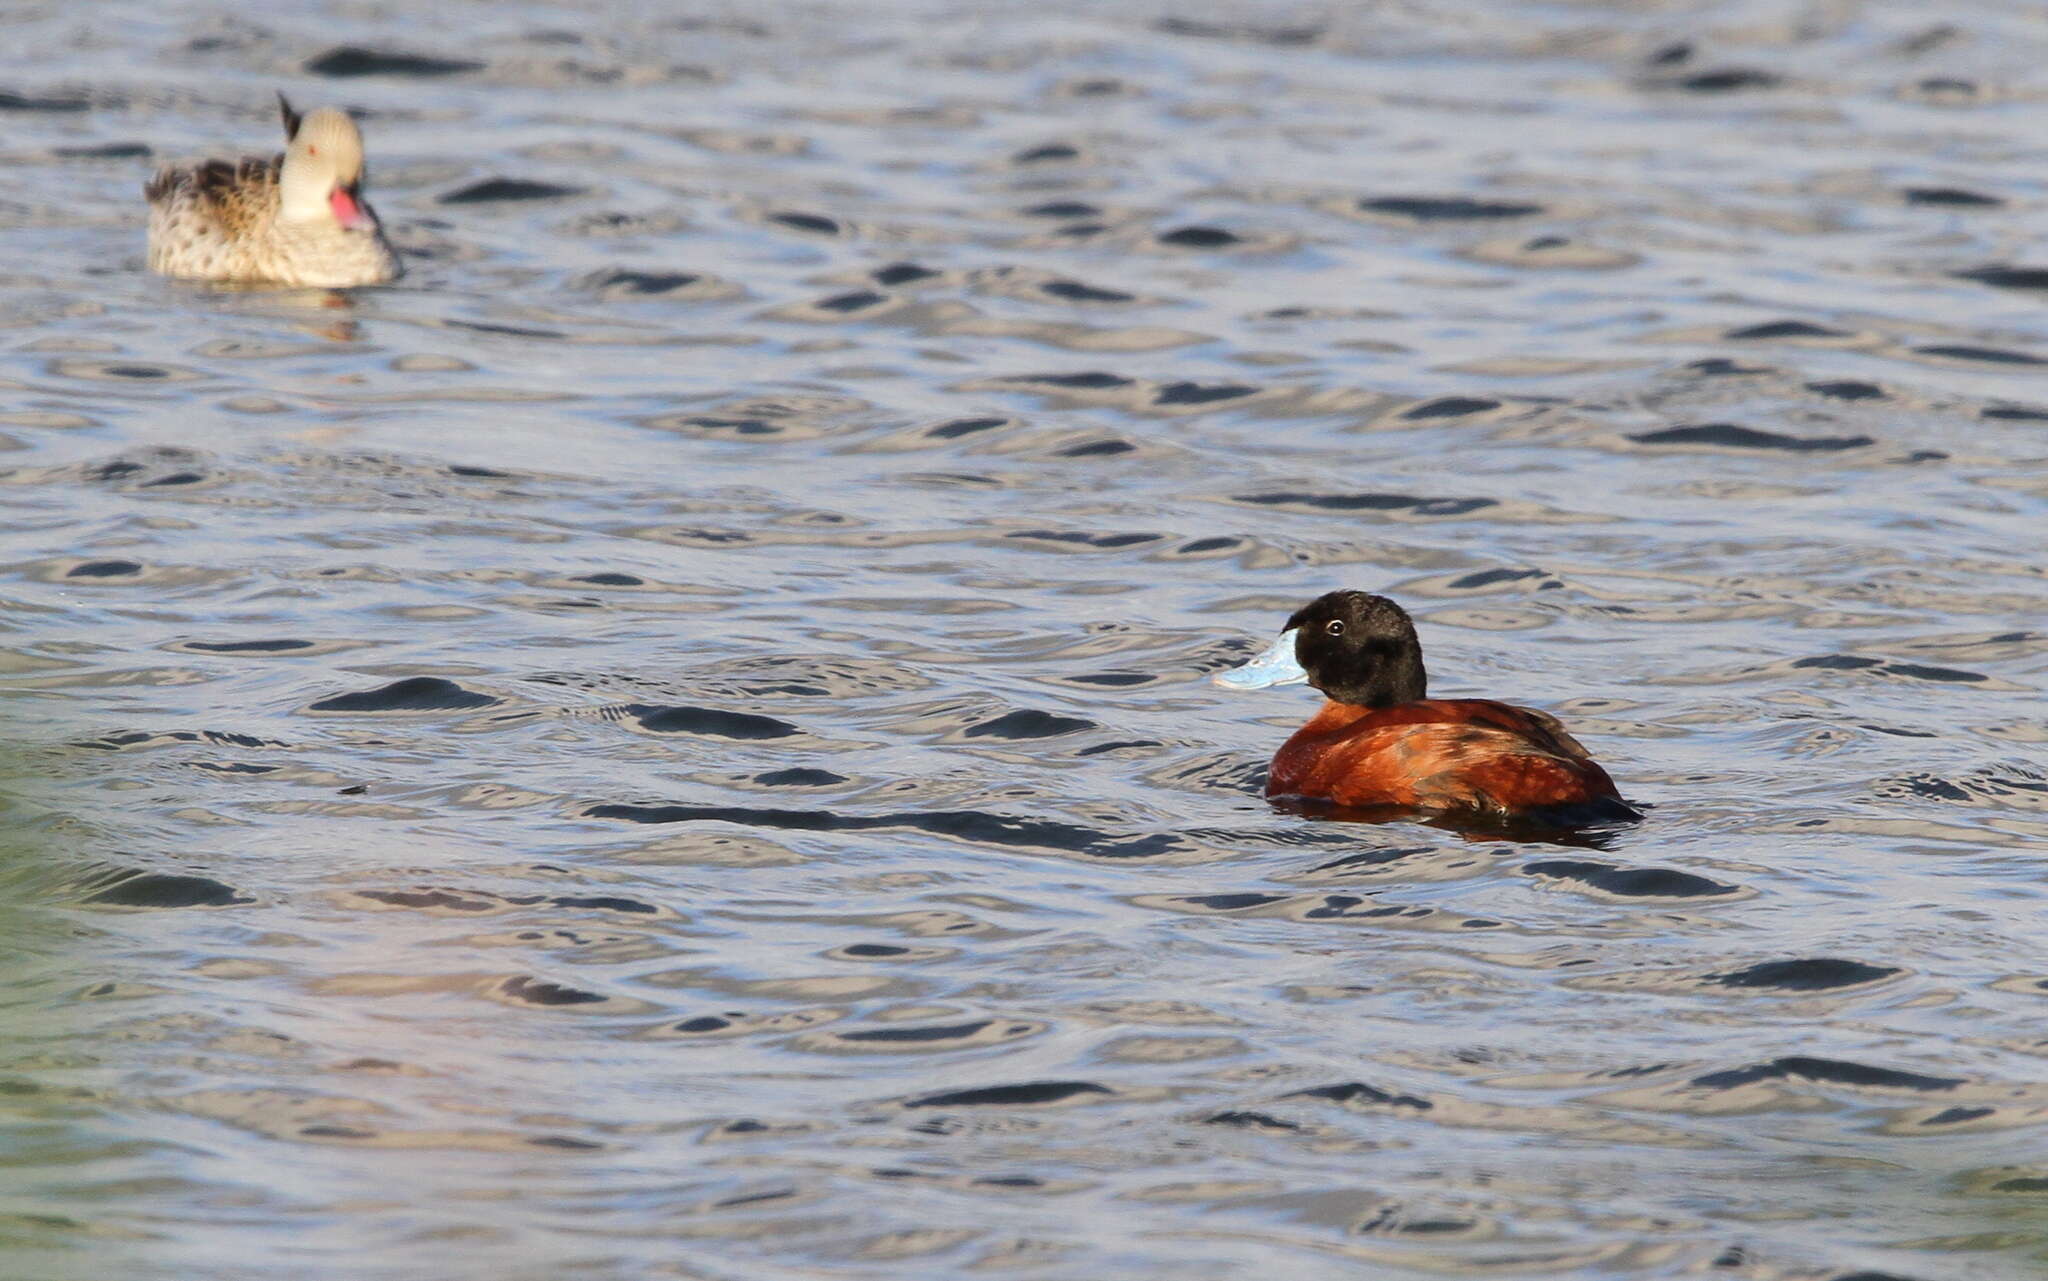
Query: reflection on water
[676, 743]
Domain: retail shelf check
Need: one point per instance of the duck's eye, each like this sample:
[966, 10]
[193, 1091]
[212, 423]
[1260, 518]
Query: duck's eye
[312, 150]
[1334, 627]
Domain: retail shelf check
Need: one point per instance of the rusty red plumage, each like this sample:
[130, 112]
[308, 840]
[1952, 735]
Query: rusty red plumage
[1439, 754]
[1381, 742]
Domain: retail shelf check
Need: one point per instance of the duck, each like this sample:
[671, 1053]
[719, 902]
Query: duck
[295, 219]
[1381, 743]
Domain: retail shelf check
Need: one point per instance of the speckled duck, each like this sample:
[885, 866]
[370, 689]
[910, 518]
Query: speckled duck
[293, 219]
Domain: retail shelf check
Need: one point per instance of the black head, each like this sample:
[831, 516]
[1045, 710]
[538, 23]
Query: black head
[1359, 648]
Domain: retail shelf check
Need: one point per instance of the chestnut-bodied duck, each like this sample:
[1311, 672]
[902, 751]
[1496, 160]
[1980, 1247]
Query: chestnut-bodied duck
[1380, 742]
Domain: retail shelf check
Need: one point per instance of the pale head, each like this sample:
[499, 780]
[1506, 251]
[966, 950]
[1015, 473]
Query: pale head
[323, 170]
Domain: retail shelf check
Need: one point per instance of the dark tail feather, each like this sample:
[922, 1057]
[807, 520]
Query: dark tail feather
[1597, 811]
[291, 118]
[1589, 824]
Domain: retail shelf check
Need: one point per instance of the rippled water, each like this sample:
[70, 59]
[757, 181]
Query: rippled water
[674, 743]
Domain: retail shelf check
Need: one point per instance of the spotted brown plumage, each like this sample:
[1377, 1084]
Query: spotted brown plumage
[293, 219]
[1380, 742]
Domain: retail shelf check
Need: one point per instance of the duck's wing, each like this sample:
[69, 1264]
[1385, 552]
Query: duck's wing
[1512, 772]
[1449, 765]
[239, 194]
[1542, 730]
[1548, 732]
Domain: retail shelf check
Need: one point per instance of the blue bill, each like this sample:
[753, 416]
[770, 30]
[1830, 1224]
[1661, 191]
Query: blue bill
[1274, 667]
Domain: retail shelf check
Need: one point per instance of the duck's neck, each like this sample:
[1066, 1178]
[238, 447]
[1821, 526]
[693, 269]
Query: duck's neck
[303, 191]
[1333, 718]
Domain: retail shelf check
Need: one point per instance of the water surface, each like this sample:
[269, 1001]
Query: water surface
[676, 742]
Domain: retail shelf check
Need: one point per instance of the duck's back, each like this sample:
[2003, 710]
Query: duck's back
[1440, 754]
[212, 221]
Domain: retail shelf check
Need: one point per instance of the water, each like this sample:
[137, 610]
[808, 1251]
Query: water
[675, 743]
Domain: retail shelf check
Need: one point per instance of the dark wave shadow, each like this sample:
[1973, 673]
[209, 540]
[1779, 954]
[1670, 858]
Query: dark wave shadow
[1595, 827]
